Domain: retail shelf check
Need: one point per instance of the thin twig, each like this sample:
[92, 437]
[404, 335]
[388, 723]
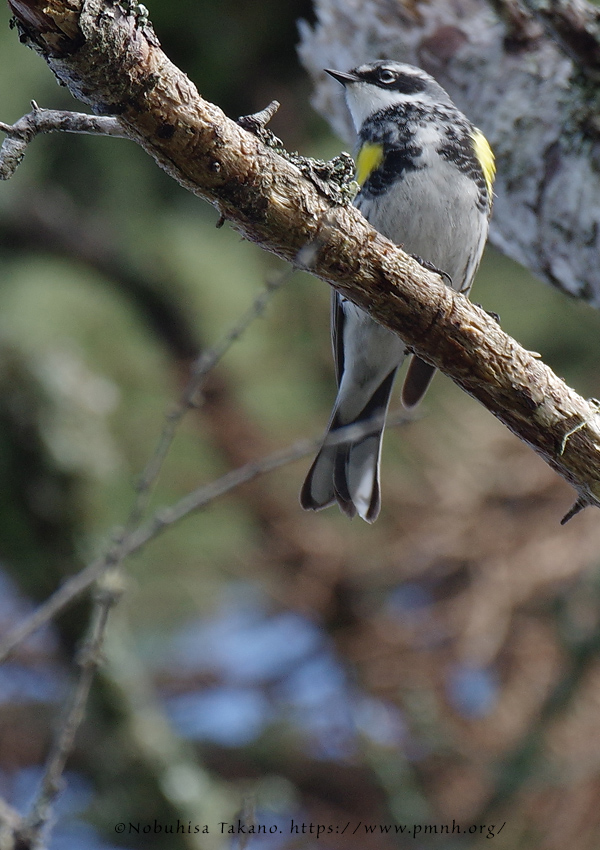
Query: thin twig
[23, 131]
[107, 572]
[190, 396]
[80, 582]
[89, 661]
[164, 518]
[267, 198]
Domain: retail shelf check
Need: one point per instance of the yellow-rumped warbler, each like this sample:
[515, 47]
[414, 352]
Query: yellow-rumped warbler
[426, 177]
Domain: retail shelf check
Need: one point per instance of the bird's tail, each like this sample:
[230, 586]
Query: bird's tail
[417, 380]
[347, 471]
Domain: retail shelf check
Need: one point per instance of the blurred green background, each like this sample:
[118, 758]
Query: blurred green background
[414, 670]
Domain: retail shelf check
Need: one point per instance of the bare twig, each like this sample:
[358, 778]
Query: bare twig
[114, 63]
[259, 120]
[191, 395]
[60, 599]
[194, 501]
[76, 585]
[89, 660]
[107, 572]
[23, 131]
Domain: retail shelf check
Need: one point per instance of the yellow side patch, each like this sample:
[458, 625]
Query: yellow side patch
[368, 160]
[485, 156]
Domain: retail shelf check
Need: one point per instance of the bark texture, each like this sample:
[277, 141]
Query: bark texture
[110, 58]
[526, 73]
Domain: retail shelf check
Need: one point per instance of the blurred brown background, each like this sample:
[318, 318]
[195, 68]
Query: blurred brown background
[439, 665]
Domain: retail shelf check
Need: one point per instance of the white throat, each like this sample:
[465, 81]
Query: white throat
[364, 99]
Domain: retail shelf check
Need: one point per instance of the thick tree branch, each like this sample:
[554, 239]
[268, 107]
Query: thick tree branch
[518, 76]
[111, 60]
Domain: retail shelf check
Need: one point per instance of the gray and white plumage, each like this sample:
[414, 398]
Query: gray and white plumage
[426, 176]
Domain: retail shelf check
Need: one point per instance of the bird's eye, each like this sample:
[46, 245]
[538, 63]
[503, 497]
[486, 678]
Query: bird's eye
[386, 76]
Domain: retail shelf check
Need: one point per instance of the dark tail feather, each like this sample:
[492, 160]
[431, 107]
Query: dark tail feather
[418, 377]
[317, 491]
[356, 478]
[349, 472]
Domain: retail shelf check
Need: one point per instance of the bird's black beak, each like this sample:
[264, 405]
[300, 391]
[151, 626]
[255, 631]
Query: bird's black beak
[342, 77]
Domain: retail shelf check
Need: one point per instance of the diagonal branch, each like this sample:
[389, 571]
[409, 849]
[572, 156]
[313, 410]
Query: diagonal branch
[525, 72]
[20, 134]
[111, 59]
[30, 831]
[132, 541]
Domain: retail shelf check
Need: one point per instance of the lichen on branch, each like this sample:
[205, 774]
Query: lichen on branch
[108, 55]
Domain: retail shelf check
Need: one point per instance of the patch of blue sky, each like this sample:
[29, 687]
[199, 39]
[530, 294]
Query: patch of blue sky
[245, 646]
[14, 607]
[472, 691]
[230, 716]
[21, 684]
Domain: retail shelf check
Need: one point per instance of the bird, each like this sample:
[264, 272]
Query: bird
[426, 175]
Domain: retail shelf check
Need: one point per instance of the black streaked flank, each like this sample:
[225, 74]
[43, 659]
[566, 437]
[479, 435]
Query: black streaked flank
[390, 128]
[458, 149]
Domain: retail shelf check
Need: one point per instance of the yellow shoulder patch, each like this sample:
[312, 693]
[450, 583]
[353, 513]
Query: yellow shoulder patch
[369, 158]
[485, 156]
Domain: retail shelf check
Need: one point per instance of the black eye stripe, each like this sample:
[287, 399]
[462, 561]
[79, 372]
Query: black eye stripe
[407, 84]
[402, 83]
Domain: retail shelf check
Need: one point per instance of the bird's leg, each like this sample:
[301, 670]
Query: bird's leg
[431, 268]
